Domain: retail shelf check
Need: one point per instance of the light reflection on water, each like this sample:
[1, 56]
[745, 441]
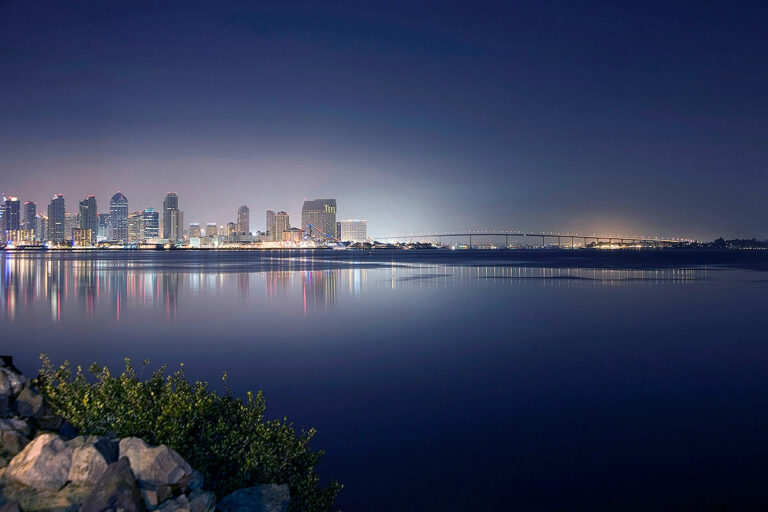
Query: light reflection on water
[83, 286]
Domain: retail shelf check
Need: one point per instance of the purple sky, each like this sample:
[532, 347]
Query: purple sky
[417, 116]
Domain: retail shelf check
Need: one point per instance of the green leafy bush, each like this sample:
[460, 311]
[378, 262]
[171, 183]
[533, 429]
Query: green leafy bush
[226, 439]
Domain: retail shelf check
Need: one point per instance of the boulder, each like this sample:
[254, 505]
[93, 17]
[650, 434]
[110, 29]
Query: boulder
[16, 380]
[180, 504]
[17, 424]
[42, 464]
[13, 441]
[155, 467]
[260, 498]
[29, 403]
[202, 501]
[91, 456]
[5, 385]
[116, 490]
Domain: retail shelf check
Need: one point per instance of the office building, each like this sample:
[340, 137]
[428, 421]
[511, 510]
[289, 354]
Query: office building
[243, 220]
[89, 216]
[211, 229]
[195, 231]
[11, 216]
[271, 225]
[56, 220]
[282, 224]
[30, 216]
[41, 234]
[136, 227]
[102, 232]
[151, 219]
[82, 237]
[353, 230]
[173, 219]
[318, 218]
[118, 218]
[71, 222]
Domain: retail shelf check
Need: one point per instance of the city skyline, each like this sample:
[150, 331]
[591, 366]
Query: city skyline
[422, 117]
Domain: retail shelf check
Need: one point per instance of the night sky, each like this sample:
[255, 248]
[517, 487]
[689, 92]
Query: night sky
[555, 116]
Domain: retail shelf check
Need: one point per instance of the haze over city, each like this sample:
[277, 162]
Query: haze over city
[416, 116]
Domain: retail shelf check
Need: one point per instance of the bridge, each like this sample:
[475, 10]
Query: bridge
[572, 237]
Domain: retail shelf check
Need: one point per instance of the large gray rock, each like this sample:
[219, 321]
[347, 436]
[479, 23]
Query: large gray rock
[202, 501]
[115, 491]
[42, 464]
[91, 455]
[155, 467]
[5, 385]
[11, 506]
[16, 424]
[29, 404]
[180, 504]
[12, 441]
[260, 498]
[16, 380]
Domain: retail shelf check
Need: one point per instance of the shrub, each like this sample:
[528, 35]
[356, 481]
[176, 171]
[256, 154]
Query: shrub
[228, 440]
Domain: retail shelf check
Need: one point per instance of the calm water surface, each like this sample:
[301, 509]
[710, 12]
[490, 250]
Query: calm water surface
[445, 381]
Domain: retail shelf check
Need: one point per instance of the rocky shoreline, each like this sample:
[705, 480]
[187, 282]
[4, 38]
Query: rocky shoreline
[46, 466]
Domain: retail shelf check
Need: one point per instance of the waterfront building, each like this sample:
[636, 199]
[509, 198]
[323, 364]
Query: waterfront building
[353, 230]
[30, 216]
[20, 236]
[243, 220]
[82, 237]
[291, 235]
[71, 222]
[195, 231]
[173, 219]
[41, 225]
[211, 229]
[282, 224]
[11, 216]
[89, 216]
[56, 220]
[102, 232]
[271, 225]
[321, 214]
[118, 218]
[136, 227]
[151, 220]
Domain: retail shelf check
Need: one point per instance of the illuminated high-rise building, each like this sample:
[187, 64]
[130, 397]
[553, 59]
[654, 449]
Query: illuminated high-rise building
[282, 224]
[319, 214]
[211, 229]
[89, 216]
[41, 228]
[354, 230]
[30, 216]
[136, 227]
[118, 218]
[195, 231]
[173, 219]
[71, 222]
[11, 216]
[271, 225]
[102, 232]
[243, 220]
[56, 220]
[151, 219]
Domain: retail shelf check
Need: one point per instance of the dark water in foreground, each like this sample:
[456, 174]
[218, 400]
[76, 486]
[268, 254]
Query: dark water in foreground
[454, 380]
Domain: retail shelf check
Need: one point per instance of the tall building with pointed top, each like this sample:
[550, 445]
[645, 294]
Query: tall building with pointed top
[173, 219]
[118, 218]
[244, 220]
[57, 220]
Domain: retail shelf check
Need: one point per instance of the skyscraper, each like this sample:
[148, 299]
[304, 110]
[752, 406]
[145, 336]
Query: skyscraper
[271, 225]
[321, 214]
[282, 224]
[30, 214]
[89, 216]
[118, 218]
[151, 219]
[136, 227]
[56, 219]
[71, 222]
[11, 215]
[173, 219]
[244, 220]
[103, 230]
[354, 230]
